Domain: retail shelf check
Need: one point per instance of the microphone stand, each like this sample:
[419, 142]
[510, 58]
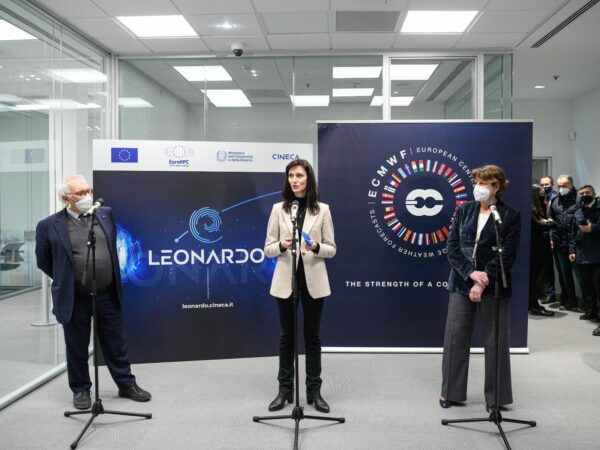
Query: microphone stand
[495, 415]
[97, 407]
[298, 411]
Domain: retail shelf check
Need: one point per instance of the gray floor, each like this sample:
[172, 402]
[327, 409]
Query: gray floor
[389, 401]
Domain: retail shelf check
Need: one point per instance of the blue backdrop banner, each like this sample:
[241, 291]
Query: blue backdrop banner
[393, 188]
[191, 222]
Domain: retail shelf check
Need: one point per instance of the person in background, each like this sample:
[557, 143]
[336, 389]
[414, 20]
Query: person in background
[541, 253]
[561, 212]
[584, 250]
[547, 183]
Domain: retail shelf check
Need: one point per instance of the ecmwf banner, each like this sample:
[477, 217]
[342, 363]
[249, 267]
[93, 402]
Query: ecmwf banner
[191, 228]
[393, 188]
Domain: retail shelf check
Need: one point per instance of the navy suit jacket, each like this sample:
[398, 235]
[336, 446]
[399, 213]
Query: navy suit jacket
[55, 258]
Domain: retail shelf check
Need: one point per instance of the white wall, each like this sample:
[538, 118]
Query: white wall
[586, 116]
[553, 121]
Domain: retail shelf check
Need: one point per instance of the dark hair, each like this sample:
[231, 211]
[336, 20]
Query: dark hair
[312, 194]
[547, 176]
[587, 186]
[537, 207]
[491, 174]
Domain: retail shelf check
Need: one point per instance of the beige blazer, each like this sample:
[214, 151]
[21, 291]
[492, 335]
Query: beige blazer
[320, 229]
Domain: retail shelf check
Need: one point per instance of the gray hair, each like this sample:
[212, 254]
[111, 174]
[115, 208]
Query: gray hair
[63, 189]
[568, 177]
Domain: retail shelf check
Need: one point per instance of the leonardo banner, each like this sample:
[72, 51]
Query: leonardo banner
[393, 188]
[191, 222]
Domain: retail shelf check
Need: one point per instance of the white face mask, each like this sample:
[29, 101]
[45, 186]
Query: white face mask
[564, 191]
[481, 193]
[85, 203]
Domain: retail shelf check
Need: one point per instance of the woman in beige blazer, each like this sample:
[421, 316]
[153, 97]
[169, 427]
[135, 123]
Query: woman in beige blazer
[314, 218]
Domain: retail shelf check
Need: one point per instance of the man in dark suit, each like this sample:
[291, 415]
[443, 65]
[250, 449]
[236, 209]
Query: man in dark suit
[61, 251]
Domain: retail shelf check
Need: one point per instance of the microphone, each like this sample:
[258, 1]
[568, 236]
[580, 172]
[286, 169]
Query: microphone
[295, 206]
[495, 213]
[97, 204]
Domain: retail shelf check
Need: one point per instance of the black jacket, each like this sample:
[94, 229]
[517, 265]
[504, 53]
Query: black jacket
[586, 246]
[561, 211]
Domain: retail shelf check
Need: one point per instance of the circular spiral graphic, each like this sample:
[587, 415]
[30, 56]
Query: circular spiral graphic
[211, 225]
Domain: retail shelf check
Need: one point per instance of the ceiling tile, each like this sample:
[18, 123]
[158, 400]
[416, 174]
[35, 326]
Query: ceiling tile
[100, 28]
[299, 41]
[372, 41]
[366, 21]
[368, 5]
[489, 40]
[223, 44]
[124, 46]
[137, 7]
[208, 24]
[80, 8]
[420, 42]
[291, 5]
[214, 7]
[507, 21]
[175, 45]
[298, 22]
[514, 5]
[445, 5]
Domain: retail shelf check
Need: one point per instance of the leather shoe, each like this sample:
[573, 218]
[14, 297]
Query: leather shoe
[82, 400]
[568, 308]
[547, 300]
[588, 316]
[280, 400]
[596, 332]
[448, 403]
[320, 404]
[489, 408]
[541, 311]
[135, 393]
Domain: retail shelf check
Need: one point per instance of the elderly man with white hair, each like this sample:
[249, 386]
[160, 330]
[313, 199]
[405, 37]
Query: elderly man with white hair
[61, 251]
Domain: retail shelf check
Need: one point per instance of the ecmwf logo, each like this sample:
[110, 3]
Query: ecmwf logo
[285, 156]
[179, 155]
[424, 202]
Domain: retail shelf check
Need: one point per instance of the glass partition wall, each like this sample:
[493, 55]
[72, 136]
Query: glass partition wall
[53, 103]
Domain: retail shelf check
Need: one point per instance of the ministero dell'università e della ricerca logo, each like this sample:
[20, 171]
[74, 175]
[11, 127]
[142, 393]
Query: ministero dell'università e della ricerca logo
[413, 196]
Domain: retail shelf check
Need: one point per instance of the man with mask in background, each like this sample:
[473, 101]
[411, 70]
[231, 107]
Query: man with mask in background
[584, 250]
[561, 211]
[61, 251]
[547, 182]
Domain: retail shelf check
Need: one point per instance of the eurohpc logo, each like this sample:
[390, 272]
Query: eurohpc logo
[179, 155]
[413, 197]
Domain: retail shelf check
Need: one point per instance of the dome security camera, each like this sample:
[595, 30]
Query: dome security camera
[238, 48]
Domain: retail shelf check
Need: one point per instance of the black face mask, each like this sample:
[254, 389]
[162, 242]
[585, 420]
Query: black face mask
[548, 189]
[587, 199]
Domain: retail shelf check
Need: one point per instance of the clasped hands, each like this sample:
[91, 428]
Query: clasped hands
[287, 243]
[481, 281]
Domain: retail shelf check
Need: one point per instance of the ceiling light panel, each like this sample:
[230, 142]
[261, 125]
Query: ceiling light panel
[394, 101]
[227, 98]
[134, 102]
[78, 75]
[309, 100]
[437, 21]
[357, 72]
[203, 73]
[158, 26]
[412, 71]
[353, 92]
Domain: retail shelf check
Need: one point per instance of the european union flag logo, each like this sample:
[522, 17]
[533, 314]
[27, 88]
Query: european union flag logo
[124, 155]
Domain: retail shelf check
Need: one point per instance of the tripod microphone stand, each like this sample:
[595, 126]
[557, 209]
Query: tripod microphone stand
[495, 415]
[298, 411]
[97, 407]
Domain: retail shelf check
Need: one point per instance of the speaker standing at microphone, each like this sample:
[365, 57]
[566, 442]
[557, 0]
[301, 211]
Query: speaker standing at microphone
[314, 219]
[471, 284]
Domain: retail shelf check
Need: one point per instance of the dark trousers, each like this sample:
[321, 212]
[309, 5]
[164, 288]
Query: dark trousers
[590, 275]
[567, 282]
[110, 335]
[312, 340]
[457, 343]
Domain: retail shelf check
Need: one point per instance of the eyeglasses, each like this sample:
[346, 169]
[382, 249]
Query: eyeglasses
[82, 192]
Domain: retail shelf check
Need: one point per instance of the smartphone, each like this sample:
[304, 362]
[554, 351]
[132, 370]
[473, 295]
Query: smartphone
[307, 239]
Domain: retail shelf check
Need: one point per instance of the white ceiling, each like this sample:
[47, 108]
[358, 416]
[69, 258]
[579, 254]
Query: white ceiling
[291, 26]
